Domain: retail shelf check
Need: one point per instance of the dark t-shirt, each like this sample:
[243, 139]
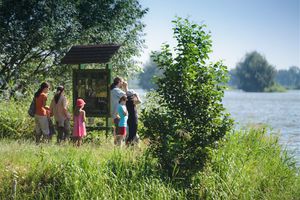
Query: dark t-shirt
[132, 111]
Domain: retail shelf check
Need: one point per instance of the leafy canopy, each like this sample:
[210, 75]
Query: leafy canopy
[186, 115]
[36, 34]
[254, 73]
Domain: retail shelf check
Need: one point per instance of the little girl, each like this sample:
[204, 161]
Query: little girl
[123, 114]
[79, 130]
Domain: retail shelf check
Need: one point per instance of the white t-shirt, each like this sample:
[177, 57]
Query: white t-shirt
[116, 94]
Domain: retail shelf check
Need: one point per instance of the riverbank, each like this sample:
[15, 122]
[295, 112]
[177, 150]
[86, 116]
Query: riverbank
[247, 165]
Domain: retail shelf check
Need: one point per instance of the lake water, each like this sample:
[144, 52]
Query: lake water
[280, 111]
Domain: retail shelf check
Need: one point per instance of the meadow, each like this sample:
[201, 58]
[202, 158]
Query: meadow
[248, 164]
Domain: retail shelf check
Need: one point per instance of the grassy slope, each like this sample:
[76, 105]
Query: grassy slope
[66, 172]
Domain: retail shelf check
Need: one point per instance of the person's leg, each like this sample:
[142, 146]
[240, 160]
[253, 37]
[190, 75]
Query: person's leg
[66, 130]
[38, 130]
[121, 136]
[44, 127]
[134, 131]
[119, 139]
[116, 129]
[59, 132]
[132, 128]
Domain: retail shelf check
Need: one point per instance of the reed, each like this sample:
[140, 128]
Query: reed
[249, 165]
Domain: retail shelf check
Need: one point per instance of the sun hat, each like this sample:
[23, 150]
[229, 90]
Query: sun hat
[80, 102]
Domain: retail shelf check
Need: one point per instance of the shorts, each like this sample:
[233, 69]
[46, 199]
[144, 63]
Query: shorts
[116, 122]
[41, 125]
[122, 131]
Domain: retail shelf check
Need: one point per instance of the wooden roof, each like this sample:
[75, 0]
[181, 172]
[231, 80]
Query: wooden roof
[90, 54]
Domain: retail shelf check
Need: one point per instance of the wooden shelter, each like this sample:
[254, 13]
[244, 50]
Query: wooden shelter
[92, 85]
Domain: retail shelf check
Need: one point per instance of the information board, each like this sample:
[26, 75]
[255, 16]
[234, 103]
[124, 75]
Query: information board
[92, 85]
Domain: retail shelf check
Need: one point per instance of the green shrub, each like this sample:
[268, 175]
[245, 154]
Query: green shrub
[275, 88]
[249, 165]
[186, 114]
[15, 122]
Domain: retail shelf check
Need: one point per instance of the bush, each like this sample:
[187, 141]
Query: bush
[249, 165]
[15, 123]
[275, 88]
[186, 115]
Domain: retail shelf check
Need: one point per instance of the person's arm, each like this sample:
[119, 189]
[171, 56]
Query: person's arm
[84, 117]
[65, 109]
[119, 93]
[51, 108]
[125, 86]
[44, 100]
[125, 112]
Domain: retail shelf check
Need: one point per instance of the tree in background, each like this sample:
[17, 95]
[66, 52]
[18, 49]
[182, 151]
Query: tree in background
[186, 115]
[36, 34]
[289, 78]
[254, 73]
[148, 76]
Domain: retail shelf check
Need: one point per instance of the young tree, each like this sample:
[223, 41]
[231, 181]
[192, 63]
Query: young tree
[255, 73]
[36, 34]
[186, 114]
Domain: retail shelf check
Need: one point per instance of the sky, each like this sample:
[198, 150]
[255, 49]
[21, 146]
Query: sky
[271, 27]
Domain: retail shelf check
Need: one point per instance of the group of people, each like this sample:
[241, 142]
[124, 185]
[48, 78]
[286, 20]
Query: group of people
[59, 110]
[123, 112]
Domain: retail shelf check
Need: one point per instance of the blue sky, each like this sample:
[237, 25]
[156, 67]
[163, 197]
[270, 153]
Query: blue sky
[271, 27]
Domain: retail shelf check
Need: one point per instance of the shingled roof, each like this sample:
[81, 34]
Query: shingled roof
[90, 54]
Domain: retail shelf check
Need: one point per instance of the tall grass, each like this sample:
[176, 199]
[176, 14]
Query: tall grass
[66, 172]
[15, 122]
[249, 165]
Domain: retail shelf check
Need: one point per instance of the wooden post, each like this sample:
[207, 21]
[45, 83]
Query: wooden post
[108, 117]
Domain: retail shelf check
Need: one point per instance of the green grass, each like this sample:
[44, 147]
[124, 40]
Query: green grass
[246, 165]
[88, 172]
[249, 165]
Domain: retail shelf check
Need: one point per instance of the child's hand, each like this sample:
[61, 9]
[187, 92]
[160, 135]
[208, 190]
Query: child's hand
[68, 116]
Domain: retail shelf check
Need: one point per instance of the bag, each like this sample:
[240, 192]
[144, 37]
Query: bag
[31, 110]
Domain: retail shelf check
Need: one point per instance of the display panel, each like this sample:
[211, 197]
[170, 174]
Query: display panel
[92, 85]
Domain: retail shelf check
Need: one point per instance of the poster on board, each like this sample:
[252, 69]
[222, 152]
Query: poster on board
[92, 85]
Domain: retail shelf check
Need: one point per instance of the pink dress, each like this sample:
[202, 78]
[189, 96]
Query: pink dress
[79, 126]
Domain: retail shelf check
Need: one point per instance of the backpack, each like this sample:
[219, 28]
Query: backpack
[31, 110]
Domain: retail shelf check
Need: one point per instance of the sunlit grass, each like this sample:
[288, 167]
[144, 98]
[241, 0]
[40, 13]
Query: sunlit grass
[49, 171]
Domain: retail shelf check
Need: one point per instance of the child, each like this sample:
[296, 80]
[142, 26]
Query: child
[122, 112]
[79, 130]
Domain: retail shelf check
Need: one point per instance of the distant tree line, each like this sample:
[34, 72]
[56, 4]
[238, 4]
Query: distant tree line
[255, 74]
[252, 74]
[289, 78]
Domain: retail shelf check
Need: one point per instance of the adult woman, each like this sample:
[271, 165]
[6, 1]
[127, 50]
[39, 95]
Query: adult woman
[41, 112]
[116, 93]
[59, 108]
[133, 100]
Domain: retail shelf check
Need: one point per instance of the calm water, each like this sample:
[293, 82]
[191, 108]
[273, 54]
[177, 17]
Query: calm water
[281, 111]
